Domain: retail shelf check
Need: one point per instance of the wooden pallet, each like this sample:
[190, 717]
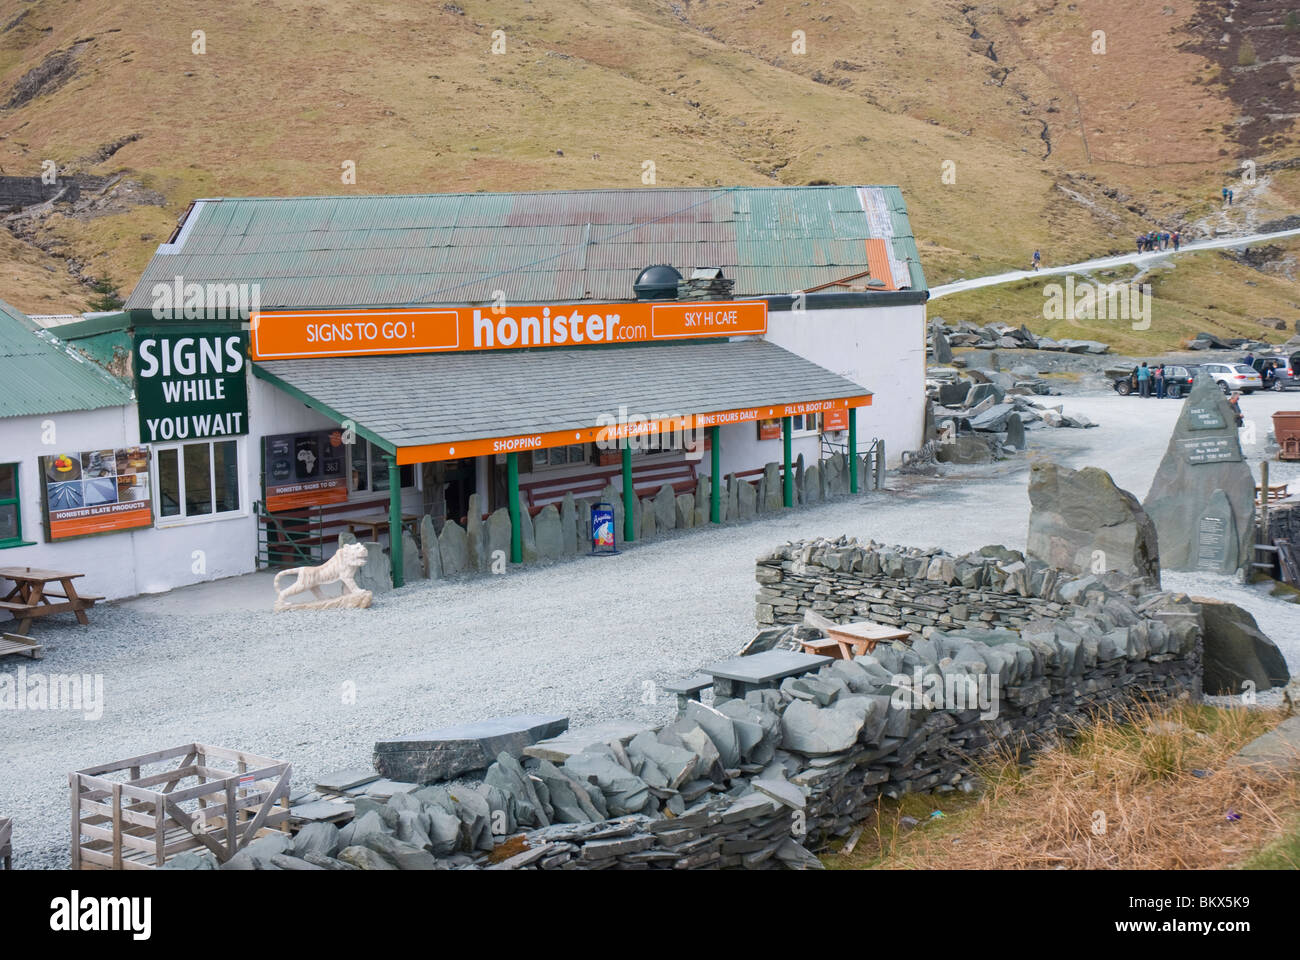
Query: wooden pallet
[17, 643]
[125, 819]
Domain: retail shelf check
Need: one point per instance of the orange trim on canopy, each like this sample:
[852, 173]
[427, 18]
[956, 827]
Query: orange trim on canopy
[515, 443]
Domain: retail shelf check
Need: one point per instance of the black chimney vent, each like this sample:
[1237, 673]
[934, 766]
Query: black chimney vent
[658, 282]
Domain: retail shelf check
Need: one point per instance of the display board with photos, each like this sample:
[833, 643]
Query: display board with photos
[305, 469]
[96, 491]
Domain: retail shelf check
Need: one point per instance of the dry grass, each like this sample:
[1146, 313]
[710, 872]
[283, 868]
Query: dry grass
[712, 92]
[1152, 790]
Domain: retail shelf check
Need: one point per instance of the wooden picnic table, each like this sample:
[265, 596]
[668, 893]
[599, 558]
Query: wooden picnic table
[31, 597]
[380, 522]
[849, 640]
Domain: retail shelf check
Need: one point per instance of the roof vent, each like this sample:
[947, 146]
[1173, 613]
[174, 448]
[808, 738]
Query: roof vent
[658, 282]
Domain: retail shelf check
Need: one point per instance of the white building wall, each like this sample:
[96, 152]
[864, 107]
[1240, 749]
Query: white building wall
[882, 348]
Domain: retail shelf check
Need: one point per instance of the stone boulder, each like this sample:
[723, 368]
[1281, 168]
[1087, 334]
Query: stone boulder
[1082, 522]
[429, 552]
[453, 545]
[1237, 651]
[548, 533]
[1202, 499]
[665, 508]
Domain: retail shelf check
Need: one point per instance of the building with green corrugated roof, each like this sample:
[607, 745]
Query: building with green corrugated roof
[444, 354]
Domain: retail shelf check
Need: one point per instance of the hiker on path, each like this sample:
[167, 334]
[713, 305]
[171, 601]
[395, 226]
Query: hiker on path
[1229, 198]
[1144, 380]
[1159, 377]
[1037, 257]
[1140, 240]
[1177, 240]
[1225, 195]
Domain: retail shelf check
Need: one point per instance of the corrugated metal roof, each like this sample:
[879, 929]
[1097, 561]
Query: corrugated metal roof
[459, 248]
[40, 374]
[472, 396]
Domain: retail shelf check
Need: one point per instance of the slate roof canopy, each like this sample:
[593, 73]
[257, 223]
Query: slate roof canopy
[474, 396]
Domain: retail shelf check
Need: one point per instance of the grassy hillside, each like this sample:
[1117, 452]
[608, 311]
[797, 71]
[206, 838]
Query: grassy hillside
[1051, 145]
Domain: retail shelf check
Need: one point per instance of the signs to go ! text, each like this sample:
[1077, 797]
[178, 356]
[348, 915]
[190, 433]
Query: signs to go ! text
[278, 335]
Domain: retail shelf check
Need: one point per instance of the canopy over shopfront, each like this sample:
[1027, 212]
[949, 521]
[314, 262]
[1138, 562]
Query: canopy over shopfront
[429, 407]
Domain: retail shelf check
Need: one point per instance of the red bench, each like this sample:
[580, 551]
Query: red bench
[647, 478]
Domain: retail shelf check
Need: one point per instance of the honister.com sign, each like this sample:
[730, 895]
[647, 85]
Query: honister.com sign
[279, 335]
[191, 386]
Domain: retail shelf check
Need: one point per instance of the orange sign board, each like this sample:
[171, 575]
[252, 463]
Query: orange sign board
[309, 494]
[618, 431]
[282, 334]
[96, 491]
[835, 420]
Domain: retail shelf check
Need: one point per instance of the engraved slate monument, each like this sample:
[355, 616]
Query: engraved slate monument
[1202, 499]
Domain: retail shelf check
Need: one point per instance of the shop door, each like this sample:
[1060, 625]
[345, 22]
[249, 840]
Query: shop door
[460, 478]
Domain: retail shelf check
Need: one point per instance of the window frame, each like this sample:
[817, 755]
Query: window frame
[371, 451]
[183, 519]
[17, 502]
[586, 460]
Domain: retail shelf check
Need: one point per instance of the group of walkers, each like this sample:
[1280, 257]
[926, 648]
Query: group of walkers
[1151, 380]
[1158, 240]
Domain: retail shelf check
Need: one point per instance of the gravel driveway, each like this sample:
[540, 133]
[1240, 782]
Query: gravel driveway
[585, 638]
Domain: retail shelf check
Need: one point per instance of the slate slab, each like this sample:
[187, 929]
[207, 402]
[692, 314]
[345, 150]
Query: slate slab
[558, 748]
[448, 752]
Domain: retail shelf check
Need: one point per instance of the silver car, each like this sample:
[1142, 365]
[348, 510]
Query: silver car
[1233, 377]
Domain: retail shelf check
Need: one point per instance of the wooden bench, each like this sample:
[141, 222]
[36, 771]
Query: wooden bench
[1276, 493]
[17, 643]
[689, 688]
[647, 478]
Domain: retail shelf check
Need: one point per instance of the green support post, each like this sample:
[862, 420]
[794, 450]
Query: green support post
[512, 495]
[629, 496]
[396, 554]
[715, 478]
[787, 428]
[853, 449]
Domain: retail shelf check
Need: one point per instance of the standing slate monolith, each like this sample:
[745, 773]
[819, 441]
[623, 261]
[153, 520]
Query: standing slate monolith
[1202, 499]
[1081, 522]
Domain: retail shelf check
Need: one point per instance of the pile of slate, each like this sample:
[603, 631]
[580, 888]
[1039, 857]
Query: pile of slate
[1208, 341]
[943, 337]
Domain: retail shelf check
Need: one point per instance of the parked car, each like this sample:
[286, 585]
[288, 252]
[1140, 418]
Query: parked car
[1234, 376]
[1178, 380]
[1284, 372]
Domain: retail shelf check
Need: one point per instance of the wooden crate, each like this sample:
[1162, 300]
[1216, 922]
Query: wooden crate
[201, 797]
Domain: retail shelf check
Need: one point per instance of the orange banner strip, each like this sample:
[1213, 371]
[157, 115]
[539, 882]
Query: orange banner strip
[283, 335]
[428, 453]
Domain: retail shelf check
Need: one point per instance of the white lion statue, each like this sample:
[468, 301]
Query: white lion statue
[342, 568]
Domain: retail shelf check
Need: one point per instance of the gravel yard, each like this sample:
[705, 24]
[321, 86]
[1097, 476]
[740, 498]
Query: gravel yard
[585, 638]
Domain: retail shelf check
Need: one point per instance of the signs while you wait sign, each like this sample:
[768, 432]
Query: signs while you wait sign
[191, 387]
[278, 335]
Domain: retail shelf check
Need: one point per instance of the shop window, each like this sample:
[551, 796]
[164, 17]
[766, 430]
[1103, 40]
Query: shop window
[803, 425]
[198, 479]
[368, 470]
[574, 453]
[11, 520]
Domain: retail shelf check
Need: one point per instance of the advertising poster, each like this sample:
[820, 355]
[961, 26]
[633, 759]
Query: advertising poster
[835, 420]
[305, 469]
[602, 528]
[96, 491]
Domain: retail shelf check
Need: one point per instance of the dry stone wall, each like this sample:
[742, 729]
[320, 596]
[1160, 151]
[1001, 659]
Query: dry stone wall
[768, 780]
